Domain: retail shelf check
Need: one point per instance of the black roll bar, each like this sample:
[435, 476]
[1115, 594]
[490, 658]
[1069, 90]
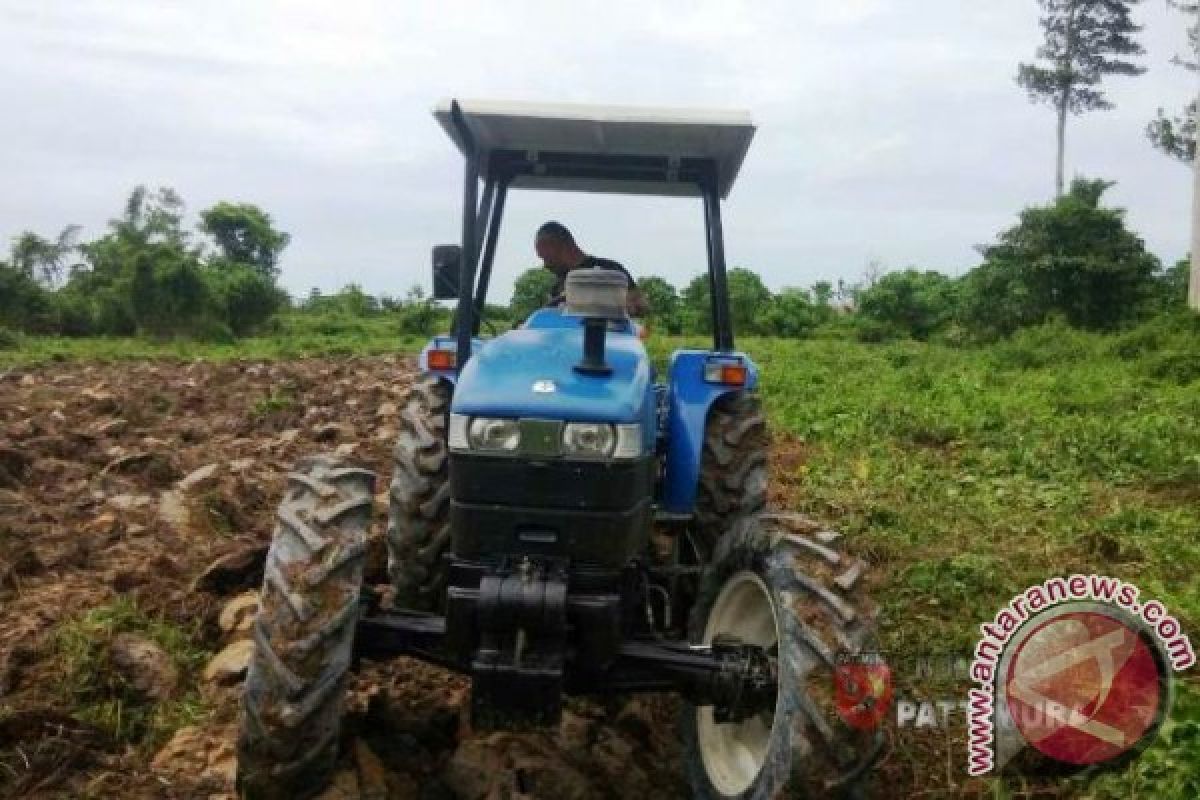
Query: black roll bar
[466, 275]
[481, 226]
[717, 286]
[489, 253]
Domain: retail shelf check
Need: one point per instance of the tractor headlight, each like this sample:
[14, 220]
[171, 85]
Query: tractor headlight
[485, 433]
[588, 439]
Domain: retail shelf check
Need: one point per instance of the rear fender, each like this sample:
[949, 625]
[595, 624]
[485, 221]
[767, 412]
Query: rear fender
[689, 398]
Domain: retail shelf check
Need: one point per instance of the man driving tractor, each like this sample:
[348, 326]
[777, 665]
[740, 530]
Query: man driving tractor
[560, 254]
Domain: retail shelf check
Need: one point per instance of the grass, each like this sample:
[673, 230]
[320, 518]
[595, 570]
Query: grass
[965, 475]
[278, 399]
[101, 696]
[292, 336]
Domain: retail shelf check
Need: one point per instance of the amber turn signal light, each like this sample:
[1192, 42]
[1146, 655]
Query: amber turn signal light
[440, 359]
[725, 373]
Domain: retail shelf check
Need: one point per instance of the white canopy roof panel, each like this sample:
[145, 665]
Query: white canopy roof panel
[603, 148]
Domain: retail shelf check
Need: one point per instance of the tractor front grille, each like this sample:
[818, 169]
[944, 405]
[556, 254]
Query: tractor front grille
[551, 483]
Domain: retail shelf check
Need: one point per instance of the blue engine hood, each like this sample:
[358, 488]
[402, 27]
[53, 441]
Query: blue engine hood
[498, 379]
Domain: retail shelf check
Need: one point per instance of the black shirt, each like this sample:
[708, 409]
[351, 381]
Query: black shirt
[557, 294]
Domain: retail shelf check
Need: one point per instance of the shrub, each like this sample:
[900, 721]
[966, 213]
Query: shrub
[1181, 367]
[24, 304]
[911, 302]
[874, 331]
[790, 313]
[1072, 258]
[1180, 329]
[170, 295]
[245, 297]
[1040, 346]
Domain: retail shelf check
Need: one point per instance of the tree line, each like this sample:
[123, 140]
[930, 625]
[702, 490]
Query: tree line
[1072, 259]
[148, 274]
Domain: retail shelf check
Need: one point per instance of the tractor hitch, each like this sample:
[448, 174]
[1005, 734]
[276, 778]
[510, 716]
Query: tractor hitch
[517, 686]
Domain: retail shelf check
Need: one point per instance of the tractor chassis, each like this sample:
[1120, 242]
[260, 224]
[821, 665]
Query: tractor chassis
[520, 674]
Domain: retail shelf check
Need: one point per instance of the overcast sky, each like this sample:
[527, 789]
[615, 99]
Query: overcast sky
[889, 130]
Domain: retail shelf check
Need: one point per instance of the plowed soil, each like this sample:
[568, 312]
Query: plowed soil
[125, 482]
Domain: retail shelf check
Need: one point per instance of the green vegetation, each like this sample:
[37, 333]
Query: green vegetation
[1072, 259]
[102, 696]
[289, 335]
[531, 291]
[146, 276]
[965, 475]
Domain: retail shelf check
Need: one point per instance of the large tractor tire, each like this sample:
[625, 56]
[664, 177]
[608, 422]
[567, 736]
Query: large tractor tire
[418, 531]
[733, 466]
[304, 632]
[798, 595]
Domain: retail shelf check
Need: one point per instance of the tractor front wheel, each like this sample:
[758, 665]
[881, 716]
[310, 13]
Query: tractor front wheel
[304, 632]
[733, 466]
[798, 596]
[418, 532]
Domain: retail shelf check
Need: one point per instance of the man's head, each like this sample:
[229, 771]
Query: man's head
[556, 247]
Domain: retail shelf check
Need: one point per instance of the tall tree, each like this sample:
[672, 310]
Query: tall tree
[245, 235]
[44, 259]
[1176, 136]
[1085, 41]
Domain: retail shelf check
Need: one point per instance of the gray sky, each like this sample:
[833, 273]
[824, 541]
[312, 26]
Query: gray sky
[889, 130]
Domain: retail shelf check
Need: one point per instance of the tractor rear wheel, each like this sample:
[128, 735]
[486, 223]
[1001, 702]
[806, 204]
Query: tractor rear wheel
[304, 632]
[799, 596]
[733, 466]
[418, 533]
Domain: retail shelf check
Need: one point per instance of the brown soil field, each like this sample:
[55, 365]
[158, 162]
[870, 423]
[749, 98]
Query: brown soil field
[123, 484]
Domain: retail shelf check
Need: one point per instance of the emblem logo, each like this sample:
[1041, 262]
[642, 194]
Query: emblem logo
[544, 387]
[1084, 688]
[862, 690]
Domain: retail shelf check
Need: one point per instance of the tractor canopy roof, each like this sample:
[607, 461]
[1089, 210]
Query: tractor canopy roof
[621, 149]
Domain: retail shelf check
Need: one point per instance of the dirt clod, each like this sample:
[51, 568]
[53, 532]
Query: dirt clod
[229, 666]
[197, 478]
[199, 756]
[173, 510]
[145, 666]
[237, 616]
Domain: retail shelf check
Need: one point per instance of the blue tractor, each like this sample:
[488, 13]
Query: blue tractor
[563, 520]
